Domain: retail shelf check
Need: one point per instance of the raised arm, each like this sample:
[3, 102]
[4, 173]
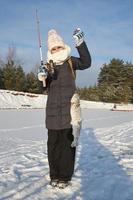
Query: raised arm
[84, 60]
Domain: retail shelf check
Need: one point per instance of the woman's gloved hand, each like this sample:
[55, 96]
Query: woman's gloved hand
[42, 75]
[78, 36]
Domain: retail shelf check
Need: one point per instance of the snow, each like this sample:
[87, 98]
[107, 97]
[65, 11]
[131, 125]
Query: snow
[20, 100]
[104, 157]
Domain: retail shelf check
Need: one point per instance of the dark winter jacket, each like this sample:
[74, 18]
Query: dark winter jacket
[62, 88]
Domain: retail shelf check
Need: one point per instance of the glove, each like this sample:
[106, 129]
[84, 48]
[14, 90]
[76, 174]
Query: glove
[78, 36]
[76, 134]
[42, 73]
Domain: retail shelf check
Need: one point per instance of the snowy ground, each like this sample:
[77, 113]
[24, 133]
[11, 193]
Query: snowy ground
[104, 161]
[20, 100]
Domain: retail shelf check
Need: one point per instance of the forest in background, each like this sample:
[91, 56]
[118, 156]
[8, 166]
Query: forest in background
[114, 83]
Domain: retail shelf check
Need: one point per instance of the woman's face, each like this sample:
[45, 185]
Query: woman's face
[56, 49]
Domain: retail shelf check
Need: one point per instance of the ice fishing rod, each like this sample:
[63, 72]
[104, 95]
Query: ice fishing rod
[39, 37]
[42, 67]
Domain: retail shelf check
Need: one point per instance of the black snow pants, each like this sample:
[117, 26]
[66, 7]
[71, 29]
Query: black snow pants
[61, 156]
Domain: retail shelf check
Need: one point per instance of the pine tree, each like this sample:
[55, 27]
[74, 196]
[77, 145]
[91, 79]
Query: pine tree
[115, 79]
[31, 83]
[20, 79]
[9, 75]
[1, 79]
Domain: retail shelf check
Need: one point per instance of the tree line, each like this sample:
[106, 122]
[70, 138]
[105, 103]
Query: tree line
[13, 76]
[114, 83]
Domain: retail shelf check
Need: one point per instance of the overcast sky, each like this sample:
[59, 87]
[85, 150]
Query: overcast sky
[107, 24]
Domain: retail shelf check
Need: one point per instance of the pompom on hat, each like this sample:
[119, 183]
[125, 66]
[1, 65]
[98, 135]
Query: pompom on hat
[54, 40]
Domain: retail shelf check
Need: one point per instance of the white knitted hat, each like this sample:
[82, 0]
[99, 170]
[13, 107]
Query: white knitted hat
[54, 40]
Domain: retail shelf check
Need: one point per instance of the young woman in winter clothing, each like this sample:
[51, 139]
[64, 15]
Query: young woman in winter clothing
[63, 119]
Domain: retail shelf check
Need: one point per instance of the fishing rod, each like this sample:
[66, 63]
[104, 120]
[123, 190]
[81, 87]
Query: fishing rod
[39, 37]
[48, 67]
[41, 68]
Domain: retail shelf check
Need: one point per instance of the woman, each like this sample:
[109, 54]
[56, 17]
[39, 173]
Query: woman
[62, 122]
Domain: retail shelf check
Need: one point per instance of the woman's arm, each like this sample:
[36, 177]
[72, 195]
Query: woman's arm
[84, 61]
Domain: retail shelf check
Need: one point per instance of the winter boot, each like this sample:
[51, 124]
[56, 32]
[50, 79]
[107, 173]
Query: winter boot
[54, 182]
[63, 184]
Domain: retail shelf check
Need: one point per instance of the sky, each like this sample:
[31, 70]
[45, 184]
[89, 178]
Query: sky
[107, 25]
